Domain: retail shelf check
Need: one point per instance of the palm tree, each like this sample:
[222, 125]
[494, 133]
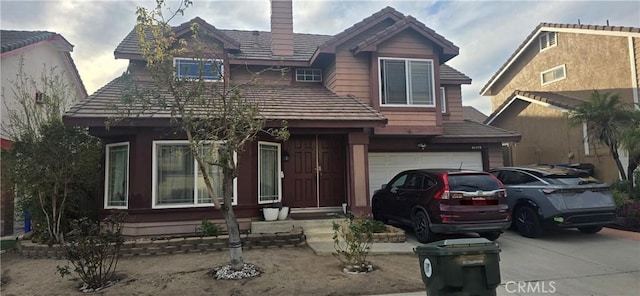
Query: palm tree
[630, 141]
[606, 116]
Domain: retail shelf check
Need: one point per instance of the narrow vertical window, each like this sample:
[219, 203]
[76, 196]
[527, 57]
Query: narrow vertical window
[269, 189]
[443, 100]
[117, 175]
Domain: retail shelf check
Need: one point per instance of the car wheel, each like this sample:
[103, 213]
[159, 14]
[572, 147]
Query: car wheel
[421, 227]
[378, 214]
[590, 229]
[493, 235]
[527, 222]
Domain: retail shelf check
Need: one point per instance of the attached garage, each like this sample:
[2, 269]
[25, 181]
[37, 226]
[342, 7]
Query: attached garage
[384, 165]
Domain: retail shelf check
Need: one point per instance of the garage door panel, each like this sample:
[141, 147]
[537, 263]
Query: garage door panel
[385, 165]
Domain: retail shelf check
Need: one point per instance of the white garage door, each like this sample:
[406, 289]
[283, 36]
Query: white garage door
[384, 165]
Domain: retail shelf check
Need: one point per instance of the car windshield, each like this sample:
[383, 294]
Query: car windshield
[570, 180]
[472, 182]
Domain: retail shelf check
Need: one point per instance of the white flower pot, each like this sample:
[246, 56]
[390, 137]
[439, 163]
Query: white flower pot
[270, 214]
[284, 211]
[344, 208]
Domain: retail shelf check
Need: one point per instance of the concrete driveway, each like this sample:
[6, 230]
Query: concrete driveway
[567, 262]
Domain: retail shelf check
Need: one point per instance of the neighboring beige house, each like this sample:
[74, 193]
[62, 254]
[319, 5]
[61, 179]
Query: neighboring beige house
[361, 106]
[554, 69]
[39, 52]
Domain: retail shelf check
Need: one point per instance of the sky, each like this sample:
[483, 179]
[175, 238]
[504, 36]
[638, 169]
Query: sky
[487, 32]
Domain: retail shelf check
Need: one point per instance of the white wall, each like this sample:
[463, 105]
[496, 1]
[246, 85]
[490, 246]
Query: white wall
[38, 59]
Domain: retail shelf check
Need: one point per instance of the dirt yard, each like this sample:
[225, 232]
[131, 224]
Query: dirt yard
[286, 271]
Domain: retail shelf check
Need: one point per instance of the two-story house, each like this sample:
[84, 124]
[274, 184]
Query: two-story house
[361, 106]
[35, 53]
[555, 68]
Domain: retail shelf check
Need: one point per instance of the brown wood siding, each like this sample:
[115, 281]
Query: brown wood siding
[243, 74]
[329, 76]
[453, 95]
[636, 50]
[410, 118]
[352, 76]
[494, 154]
[407, 43]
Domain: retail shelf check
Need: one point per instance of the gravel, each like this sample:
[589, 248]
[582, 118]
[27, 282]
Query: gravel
[226, 273]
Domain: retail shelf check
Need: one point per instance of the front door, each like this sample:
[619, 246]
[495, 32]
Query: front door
[314, 175]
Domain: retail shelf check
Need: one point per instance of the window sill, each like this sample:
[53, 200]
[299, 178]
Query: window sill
[408, 108]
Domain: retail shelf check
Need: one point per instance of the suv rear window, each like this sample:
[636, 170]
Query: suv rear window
[472, 182]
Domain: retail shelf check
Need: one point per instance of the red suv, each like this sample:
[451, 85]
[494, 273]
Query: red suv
[444, 201]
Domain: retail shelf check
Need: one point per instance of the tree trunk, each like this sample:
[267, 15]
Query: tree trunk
[633, 165]
[235, 243]
[616, 158]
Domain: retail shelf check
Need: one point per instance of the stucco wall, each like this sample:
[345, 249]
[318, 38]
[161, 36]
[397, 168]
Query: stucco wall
[38, 59]
[592, 62]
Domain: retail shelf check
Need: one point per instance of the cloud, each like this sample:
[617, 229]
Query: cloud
[487, 32]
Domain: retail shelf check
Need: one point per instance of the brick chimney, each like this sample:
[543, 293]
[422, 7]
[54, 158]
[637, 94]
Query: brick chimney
[282, 27]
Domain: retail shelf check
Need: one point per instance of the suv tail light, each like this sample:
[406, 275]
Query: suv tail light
[444, 192]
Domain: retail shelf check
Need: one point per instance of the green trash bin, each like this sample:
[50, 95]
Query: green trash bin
[469, 266]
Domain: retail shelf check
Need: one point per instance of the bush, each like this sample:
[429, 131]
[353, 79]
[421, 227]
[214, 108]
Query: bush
[621, 199]
[209, 229]
[632, 212]
[93, 250]
[352, 241]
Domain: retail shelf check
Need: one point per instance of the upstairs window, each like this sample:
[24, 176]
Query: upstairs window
[309, 75]
[554, 74]
[406, 82]
[443, 100]
[209, 70]
[547, 40]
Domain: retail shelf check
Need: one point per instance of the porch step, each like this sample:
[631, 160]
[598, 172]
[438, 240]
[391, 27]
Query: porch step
[315, 229]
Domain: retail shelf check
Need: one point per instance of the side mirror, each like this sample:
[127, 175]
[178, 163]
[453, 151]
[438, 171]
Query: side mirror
[383, 186]
[394, 190]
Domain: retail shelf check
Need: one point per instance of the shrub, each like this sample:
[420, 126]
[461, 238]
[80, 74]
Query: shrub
[209, 229]
[93, 250]
[621, 199]
[352, 241]
[632, 212]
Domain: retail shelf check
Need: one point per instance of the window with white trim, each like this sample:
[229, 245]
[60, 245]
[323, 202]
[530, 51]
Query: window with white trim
[116, 179]
[269, 184]
[309, 75]
[177, 181]
[547, 40]
[406, 82]
[207, 70]
[553, 75]
[443, 100]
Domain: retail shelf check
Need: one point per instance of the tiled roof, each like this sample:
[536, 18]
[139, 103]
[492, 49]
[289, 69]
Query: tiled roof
[473, 114]
[550, 27]
[556, 99]
[12, 40]
[253, 45]
[290, 103]
[448, 73]
[459, 130]
[449, 49]
[387, 12]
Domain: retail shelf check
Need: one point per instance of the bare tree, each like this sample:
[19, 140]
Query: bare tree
[215, 116]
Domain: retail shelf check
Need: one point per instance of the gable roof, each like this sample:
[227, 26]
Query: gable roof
[296, 104]
[472, 114]
[449, 50]
[185, 28]
[12, 41]
[554, 100]
[550, 27]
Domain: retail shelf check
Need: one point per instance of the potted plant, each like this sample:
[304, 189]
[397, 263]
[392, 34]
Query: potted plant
[271, 211]
[282, 214]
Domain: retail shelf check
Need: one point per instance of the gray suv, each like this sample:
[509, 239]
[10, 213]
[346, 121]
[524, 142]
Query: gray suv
[543, 197]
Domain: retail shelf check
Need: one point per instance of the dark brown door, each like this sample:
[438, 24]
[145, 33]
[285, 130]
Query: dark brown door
[314, 175]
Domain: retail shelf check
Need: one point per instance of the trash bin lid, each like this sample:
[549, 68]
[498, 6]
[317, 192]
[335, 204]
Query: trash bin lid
[458, 246]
